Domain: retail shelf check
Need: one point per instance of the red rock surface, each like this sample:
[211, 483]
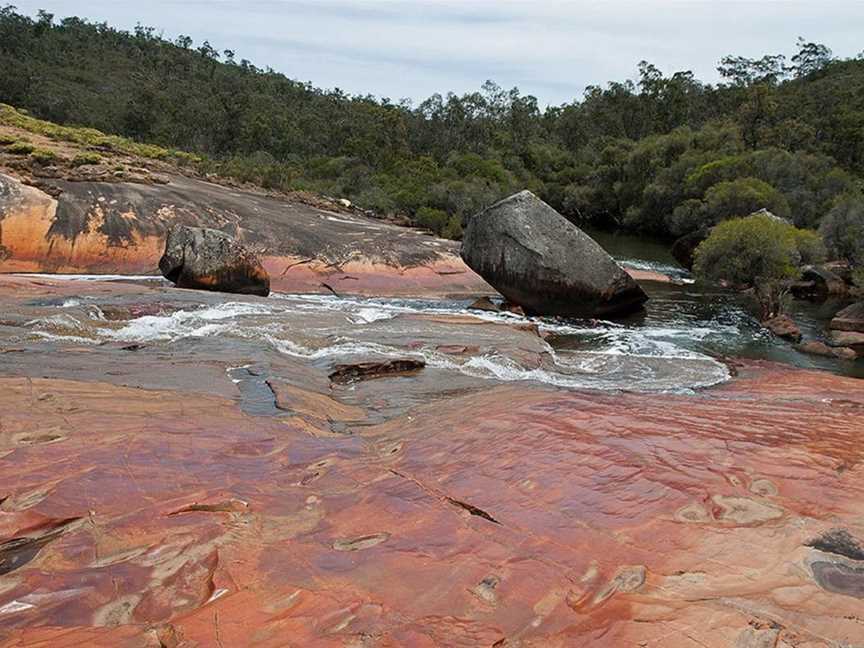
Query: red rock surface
[508, 516]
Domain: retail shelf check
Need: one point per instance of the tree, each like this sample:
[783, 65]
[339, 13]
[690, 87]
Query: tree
[647, 155]
[811, 57]
[742, 71]
[843, 229]
[759, 251]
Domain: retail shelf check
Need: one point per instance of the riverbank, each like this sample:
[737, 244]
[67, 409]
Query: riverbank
[161, 496]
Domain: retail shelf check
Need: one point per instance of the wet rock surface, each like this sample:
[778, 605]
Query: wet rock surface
[141, 505]
[538, 259]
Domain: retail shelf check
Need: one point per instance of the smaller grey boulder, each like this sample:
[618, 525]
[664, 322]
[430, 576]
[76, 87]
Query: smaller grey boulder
[207, 259]
[684, 248]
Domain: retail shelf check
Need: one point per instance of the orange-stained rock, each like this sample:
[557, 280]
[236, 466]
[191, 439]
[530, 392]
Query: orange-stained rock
[562, 519]
[140, 505]
[120, 228]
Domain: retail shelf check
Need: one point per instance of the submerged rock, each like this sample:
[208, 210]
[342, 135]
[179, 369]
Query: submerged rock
[484, 304]
[207, 259]
[345, 373]
[851, 339]
[784, 327]
[538, 259]
[814, 347]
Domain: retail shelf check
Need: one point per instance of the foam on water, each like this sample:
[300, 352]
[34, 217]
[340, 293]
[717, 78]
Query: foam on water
[94, 277]
[609, 356]
[185, 323]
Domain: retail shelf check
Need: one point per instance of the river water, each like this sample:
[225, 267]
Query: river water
[734, 332]
[678, 344]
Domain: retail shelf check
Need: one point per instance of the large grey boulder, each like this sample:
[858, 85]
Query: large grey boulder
[207, 259]
[537, 258]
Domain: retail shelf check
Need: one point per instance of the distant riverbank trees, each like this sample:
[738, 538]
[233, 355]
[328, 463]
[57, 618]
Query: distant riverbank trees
[664, 155]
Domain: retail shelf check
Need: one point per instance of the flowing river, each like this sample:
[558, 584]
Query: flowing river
[678, 345]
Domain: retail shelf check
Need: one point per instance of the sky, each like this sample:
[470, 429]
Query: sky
[548, 48]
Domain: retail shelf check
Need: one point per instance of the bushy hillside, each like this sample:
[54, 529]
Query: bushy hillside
[662, 154]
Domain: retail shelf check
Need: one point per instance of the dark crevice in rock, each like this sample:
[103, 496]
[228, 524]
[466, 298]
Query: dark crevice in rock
[473, 510]
[227, 506]
[840, 542]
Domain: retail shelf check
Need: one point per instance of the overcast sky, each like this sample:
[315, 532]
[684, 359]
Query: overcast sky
[548, 48]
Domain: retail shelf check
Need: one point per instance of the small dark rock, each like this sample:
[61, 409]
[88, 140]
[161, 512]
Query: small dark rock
[516, 309]
[819, 282]
[484, 304]
[684, 248]
[784, 327]
[346, 373]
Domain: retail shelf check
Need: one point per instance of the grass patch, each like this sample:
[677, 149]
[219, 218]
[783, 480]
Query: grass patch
[43, 156]
[20, 148]
[86, 158]
[92, 137]
[7, 139]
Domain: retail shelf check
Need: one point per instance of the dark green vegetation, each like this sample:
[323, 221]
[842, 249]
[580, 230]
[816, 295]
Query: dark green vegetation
[760, 251]
[662, 155]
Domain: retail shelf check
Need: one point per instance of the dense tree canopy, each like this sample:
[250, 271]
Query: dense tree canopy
[661, 154]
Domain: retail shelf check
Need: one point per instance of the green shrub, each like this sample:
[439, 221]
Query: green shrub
[20, 148]
[434, 220]
[43, 156]
[737, 198]
[453, 230]
[843, 229]
[86, 158]
[759, 251]
[6, 139]
[809, 246]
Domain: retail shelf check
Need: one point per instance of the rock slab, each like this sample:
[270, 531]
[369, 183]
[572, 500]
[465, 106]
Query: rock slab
[850, 318]
[538, 259]
[207, 259]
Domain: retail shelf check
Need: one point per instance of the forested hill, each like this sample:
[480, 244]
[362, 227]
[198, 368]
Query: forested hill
[662, 154]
